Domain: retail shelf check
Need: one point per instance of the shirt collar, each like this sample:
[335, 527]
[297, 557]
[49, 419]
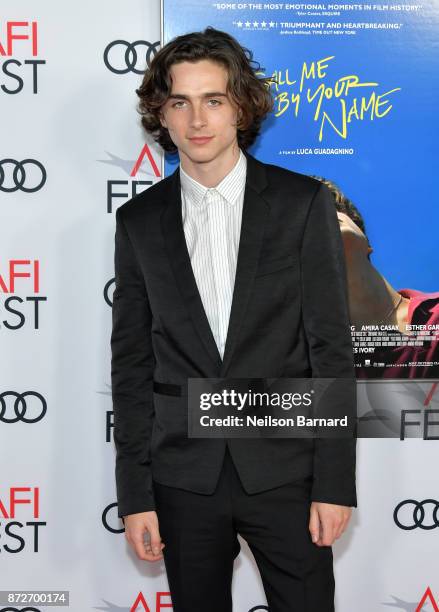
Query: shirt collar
[230, 187]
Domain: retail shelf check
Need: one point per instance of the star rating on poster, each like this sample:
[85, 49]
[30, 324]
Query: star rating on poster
[255, 24]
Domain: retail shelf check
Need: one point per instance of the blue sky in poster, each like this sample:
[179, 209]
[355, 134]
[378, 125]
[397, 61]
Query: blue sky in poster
[390, 172]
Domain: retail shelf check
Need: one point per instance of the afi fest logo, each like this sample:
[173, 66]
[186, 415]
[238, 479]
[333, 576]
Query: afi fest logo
[119, 189]
[140, 604]
[19, 62]
[426, 603]
[427, 598]
[162, 602]
[426, 422]
[20, 276]
[399, 410]
[109, 419]
[19, 509]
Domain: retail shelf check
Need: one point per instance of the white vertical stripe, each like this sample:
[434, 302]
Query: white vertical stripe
[212, 226]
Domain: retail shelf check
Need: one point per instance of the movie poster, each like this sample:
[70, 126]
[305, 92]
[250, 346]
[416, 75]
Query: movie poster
[355, 88]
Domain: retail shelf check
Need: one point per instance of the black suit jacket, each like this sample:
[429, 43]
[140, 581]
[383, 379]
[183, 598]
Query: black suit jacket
[289, 318]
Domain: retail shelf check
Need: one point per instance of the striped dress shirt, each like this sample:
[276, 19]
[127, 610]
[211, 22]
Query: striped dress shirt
[212, 227]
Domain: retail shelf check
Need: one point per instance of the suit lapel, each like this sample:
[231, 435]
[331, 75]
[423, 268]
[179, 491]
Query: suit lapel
[254, 217]
[179, 258]
[254, 220]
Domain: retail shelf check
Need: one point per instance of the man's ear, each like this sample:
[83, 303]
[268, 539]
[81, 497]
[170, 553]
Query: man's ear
[239, 115]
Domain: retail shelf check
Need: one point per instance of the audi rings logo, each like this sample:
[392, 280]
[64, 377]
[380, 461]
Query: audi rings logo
[112, 528]
[121, 56]
[28, 175]
[19, 610]
[19, 408]
[108, 292]
[410, 514]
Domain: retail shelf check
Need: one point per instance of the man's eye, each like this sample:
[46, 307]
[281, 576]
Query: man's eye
[211, 102]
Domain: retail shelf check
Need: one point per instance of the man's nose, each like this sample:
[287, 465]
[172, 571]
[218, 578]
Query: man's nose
[198, 118]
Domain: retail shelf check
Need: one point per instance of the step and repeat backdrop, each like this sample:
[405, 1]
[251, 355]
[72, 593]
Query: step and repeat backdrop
[355, 103]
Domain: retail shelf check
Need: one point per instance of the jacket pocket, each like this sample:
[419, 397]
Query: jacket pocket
[273, 265]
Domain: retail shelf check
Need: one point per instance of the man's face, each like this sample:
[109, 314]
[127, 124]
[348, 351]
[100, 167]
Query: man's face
[354, 240]
[199, 108]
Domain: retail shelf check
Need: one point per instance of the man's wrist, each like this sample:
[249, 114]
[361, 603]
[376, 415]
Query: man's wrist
[124, 510]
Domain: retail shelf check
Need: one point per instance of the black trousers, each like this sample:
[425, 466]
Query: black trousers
[200, 536]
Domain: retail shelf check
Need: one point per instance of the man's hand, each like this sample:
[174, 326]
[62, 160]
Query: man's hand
[327, 522]
[135, 527]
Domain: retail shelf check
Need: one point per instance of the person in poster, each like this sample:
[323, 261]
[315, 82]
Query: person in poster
[229, 267]
[402, 324]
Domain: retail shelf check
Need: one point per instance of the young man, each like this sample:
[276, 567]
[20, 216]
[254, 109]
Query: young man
[229, 268]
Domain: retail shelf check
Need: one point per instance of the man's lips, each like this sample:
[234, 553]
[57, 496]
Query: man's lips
[200, 139]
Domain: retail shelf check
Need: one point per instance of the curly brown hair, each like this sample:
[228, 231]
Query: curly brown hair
[251, 94]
